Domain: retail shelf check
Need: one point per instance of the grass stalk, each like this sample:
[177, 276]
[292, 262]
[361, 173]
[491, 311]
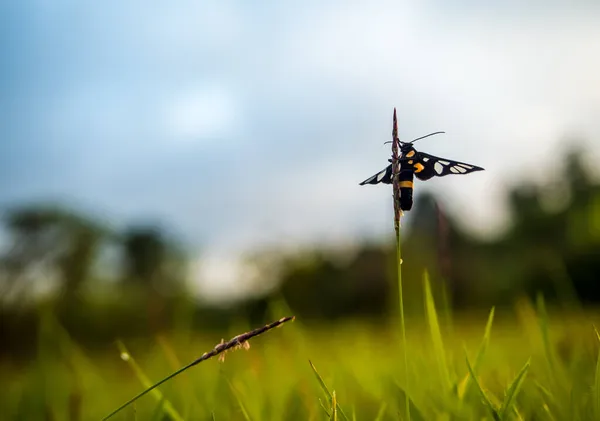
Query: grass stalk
[237, 341]
[143, 378]
[402, 320]
[333, 416]
[240, 403]
[397, 225]
[330, 396]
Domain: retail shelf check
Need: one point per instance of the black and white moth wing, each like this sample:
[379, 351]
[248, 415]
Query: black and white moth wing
[428, 166]
[383, 176]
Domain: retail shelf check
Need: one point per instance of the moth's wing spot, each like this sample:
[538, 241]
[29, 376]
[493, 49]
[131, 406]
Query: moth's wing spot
[461, 169]
[381, 175]
[425, 159]
[410, 154]
[455, 170]
[419, 167]
[467, 166]
[411, 162]
[439, 168]
[444, 162]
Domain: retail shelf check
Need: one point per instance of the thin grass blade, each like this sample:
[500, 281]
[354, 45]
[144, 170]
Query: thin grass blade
[556, 371]
[463, 387]
[484, 396]
[486, 340]
[518, 415]
[134, 412]
[166, 404]
[333, 416]
[238, 398]
[513, 390]
[320, 380]
[414, 411]
[158, 410]
[436, 334]
[324, 408]
[381, 412]
[548, 413]
[326, 390]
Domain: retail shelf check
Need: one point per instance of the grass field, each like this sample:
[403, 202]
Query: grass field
[528, 366]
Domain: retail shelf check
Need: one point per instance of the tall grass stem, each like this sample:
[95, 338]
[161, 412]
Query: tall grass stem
[397, 220]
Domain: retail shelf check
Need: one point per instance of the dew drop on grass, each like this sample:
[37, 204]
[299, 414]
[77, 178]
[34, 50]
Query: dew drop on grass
[124, 356]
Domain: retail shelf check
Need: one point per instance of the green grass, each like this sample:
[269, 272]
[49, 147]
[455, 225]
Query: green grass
[533, 363]
[404, 344]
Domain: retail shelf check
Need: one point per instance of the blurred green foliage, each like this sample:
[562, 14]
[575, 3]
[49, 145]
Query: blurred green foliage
[552, 245]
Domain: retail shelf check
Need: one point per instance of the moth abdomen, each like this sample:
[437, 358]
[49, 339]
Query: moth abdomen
[405, 181]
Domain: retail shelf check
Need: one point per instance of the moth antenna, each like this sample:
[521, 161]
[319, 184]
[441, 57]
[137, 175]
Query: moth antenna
[423, 137]
[389, 141]
[418, 138]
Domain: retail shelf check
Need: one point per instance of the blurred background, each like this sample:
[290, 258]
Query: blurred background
[197, 161]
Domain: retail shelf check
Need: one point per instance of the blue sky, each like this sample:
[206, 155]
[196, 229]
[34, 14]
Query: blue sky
[251, 123]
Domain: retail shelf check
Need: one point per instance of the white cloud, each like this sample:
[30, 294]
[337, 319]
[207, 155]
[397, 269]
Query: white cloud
[201, 114]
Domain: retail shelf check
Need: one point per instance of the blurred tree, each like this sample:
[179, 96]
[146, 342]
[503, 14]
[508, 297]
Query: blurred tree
[51, 240]
[151, 258]
[155, 265]
[551, 245]
[317, 285]
[75, 263]
[144, 252]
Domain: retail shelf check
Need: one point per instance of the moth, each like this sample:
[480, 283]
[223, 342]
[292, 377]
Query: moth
[413, 163]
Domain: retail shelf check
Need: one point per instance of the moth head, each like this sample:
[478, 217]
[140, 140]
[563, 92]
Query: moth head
[406, 147]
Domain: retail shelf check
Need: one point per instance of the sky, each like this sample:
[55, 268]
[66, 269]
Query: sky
[250, 124]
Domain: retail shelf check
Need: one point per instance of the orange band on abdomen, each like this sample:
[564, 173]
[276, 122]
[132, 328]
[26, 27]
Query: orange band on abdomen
[408, 184]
